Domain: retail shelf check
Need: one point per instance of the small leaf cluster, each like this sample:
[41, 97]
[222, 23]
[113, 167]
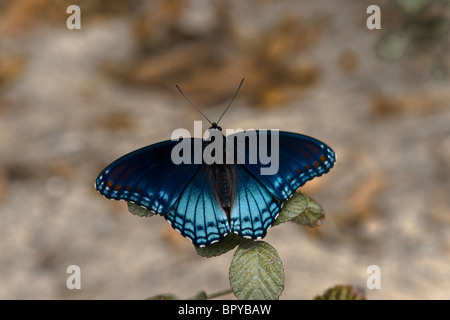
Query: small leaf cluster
[340, 292]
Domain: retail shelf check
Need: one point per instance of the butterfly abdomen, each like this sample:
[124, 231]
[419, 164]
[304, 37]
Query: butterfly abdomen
[222, 179]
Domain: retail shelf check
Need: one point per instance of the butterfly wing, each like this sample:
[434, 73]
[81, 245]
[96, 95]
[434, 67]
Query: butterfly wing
[197, 214]
[254, 208]
[300, 158]
[147, 177]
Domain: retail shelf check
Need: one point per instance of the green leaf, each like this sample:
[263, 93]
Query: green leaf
[301, 209]
[138, 210]
[201, 295]
[312, 216]
[164, 296]
[256, 271]
[229, 242]
[340, 292]
[292, 207]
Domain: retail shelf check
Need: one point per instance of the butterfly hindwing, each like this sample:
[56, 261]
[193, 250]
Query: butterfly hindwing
[147, 177]
[197, 214]
[254, 208]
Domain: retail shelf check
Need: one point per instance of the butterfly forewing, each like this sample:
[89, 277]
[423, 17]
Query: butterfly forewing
[300, 158]
[147, 177]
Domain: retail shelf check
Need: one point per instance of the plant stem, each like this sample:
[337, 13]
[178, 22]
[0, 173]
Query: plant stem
[219, 293]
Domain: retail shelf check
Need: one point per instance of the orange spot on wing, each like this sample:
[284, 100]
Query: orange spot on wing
[323, 158]
[316, 164]
[110, 183]
[118, 187]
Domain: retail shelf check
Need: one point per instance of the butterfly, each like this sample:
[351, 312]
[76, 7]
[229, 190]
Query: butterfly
[205, 201]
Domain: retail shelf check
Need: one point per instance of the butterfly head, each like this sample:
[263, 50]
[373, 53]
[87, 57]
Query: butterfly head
[215, 126]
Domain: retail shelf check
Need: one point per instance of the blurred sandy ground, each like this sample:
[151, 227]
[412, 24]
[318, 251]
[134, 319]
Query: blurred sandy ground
[72, 101]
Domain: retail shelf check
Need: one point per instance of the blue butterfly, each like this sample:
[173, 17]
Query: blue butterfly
[205, 201]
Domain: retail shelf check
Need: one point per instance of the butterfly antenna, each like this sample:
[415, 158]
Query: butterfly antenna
[240, 84]
[192, 103]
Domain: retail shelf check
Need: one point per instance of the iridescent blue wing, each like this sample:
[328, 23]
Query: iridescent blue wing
[254, 208]
[147, 177]
[300, 158]
[197, 214]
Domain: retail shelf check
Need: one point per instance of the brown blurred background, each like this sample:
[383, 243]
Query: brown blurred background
[72, 101]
